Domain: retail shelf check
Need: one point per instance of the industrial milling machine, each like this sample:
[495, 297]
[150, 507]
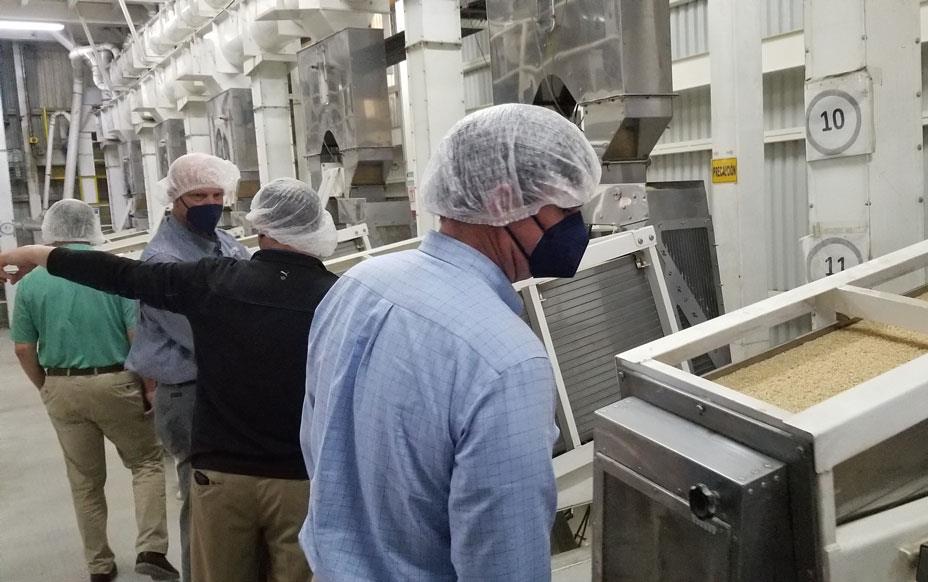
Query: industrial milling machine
[807, 463]
[348, 133]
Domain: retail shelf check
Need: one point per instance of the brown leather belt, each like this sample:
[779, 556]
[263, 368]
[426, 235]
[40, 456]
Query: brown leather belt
[84, 371]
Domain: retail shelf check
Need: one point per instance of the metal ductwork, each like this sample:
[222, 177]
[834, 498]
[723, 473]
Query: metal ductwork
[232, 134]
[87, 54]
[603, 63]
[346, 105]
[172, 143]
[348, 129]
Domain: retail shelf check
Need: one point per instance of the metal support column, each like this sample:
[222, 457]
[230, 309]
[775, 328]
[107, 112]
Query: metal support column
[864, 133]
[739, 206]
[7, 229]
[433, 91]
[270, 92]
[196, 127]
[32, 174]
[151, 171]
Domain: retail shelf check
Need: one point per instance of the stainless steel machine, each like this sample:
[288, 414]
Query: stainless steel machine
[605, 64]
[172, 143]
[131, 154]
[347, 128]
[232, 135]
[806, 463]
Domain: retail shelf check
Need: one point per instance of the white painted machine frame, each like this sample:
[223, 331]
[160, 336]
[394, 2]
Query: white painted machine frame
[843, 426]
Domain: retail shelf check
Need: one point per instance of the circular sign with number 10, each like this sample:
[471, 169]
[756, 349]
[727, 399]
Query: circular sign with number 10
[833, 122]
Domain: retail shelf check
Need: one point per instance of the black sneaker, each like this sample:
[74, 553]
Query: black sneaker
[108, 577]
[156, 566]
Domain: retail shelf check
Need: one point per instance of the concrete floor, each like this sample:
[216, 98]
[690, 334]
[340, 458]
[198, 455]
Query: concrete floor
[39, 541]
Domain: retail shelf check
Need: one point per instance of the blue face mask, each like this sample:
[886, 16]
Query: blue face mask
[560, 249]
[204, 218]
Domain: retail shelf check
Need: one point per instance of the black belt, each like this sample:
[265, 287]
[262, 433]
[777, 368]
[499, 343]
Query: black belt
[84, 371]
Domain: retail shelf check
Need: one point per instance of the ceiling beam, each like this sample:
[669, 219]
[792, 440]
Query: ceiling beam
[105, 13]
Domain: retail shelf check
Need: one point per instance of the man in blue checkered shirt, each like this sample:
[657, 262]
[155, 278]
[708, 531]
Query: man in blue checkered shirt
[428, 423]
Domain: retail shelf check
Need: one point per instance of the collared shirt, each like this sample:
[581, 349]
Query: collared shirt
[74, 327]
[250, 322]
[428, 425]
[163, 346]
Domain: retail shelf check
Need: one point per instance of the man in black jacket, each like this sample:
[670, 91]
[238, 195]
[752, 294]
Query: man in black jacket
[250, 322]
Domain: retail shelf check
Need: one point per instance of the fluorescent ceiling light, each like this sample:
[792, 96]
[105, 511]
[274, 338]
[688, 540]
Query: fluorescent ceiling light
[31, 26]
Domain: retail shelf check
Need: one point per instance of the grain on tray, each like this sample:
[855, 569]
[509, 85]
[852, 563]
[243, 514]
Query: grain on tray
[828, 365]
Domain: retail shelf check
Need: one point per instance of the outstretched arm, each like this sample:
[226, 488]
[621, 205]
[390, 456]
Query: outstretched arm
[171, 286]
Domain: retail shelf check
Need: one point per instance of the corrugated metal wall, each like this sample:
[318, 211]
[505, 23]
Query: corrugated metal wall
[689, 24]
[49, 77]
[782, 16]
[48, 84]
[692, 117]
[784, 99]
[689, 29]
[682, 166]
[787, 222]
[478, 79]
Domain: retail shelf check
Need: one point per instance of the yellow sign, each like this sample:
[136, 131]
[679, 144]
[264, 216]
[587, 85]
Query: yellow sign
[725, 171]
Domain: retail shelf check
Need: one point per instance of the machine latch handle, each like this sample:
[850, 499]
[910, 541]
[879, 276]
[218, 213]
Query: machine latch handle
[704, 502]
[921, 571]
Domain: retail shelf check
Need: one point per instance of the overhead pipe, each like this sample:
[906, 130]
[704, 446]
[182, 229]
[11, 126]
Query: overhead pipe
[77, 55]
[50, 142]
[99, 67]
[32, 177]
[88, 54]
[74, 125]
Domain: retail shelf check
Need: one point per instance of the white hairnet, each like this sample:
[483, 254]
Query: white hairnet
[502, 164]
[194, 171]
[290, 212]
[71, 221]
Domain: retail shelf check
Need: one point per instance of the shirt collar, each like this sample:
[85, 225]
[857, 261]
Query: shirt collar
[175, 227]
[469, 259]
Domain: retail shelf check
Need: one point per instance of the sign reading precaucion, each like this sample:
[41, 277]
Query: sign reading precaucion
[725, 171]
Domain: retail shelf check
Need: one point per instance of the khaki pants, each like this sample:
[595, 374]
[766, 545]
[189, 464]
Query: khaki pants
[84, 410]
[174, 405]
[238, 523]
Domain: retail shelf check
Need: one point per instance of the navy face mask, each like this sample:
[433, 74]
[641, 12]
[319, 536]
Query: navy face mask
[204, 218]
[560, 249]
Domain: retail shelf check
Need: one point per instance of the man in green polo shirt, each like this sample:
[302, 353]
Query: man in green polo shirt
[72, 342]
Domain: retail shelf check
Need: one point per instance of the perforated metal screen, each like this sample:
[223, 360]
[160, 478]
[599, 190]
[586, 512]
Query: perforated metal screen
[602, 312]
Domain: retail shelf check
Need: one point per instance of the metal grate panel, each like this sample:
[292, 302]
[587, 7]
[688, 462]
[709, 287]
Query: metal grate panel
[690, 250]
[602, 312]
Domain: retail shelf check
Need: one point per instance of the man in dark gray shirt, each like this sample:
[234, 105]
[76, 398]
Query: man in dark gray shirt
[197, 185]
